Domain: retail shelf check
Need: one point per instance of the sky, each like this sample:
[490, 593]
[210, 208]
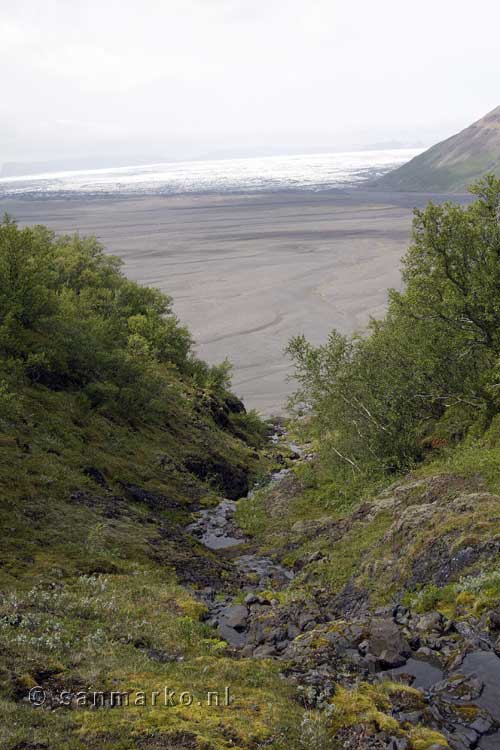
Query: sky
[98, 82]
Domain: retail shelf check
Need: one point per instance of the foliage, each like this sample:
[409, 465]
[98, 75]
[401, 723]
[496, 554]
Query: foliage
[70, 319]
[425, 373]
[103, 407]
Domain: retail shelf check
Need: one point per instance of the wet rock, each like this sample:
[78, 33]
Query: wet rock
[387, 644]
[215, 526]
[462, 688]
[482, 724]
[463, 738]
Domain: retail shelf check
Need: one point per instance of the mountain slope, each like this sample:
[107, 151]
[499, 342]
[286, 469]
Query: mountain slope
[454, 163]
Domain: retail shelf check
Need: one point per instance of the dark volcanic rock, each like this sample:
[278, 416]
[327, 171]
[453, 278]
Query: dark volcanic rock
[233, 480]
[387, 644]
[154, 500]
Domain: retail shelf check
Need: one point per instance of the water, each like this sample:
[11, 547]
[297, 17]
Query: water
[272, 173]
[425, 675]
[486, 665]
[215, 528]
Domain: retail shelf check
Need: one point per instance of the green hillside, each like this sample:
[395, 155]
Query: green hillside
[371, 557]
[450, 166]
[112, 433]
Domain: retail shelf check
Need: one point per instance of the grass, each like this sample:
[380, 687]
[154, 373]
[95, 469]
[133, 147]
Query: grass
[94, 592]
[91, 587]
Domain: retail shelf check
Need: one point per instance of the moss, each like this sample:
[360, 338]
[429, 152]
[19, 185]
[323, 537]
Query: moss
[91, 597]
[365, 704]
[422, 738]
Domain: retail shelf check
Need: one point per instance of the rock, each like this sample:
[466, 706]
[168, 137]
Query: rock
[234, 637]
[432, 621]
[309, 528]
[264, 652]
[236, 617]
[251, 599]
[234, 404]
[233, 479]
[387, 644]
[495, 620]
[363, 647]
[464, 738]
[401, 615]
[398, 743]
[411, 717]
[154, 500]
[282, 645]
[292, 631]
[482, 724]
[96, 475]
[156, 654]
[306, 618]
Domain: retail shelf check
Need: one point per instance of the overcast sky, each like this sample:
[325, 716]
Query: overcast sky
[191, 78]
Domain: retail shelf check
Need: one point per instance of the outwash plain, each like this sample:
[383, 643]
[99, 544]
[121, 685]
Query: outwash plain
[249, 271]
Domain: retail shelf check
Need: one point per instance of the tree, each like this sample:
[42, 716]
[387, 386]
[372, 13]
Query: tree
[376, 398]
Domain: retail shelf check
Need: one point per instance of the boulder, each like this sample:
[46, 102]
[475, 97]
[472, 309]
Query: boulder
[236, 617]
[430, 622]
[387, 644]
[495, 620]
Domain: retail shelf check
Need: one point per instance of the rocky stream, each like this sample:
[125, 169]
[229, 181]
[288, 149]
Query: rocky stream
[455, 665]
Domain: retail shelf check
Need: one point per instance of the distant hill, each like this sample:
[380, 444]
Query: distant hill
[454, 163]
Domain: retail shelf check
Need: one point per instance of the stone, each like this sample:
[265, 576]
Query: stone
[482, 724]
[398, 743]
[432, 621]
[412, 717]
[387, 644]
[282, 645]
[236, 617]
[264, 652]
[495, 620]
[305, 619]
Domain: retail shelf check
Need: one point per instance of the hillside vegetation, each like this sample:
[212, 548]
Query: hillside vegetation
[111, 433]
[392, 525]
[384, 536]
[451, 165]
